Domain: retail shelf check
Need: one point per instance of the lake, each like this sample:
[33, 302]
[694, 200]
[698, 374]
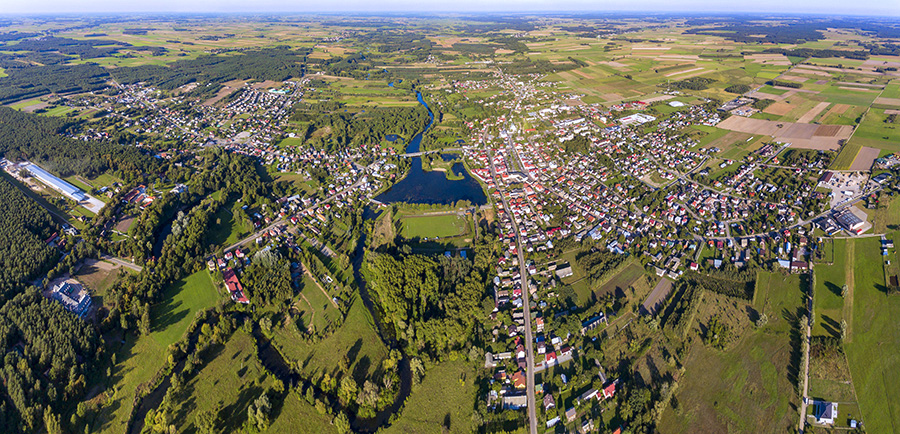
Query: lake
[432, 187]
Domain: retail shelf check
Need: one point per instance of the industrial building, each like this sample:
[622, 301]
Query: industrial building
[68, 190]
[849, 221]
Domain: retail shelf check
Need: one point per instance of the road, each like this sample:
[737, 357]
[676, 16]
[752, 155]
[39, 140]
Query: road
[523, 273]
[435, 151]
[805, 397]
[122, 262]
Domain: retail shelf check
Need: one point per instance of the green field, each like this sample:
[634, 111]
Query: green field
[226, 385]
[845, 158]
[225, 230]
[874, 363]
[828, 304]
[444, 398]
[781, 298]
[433, 226]
[315, 307]
[741, 390]
[876, 133]
[356, 338]
[182, 302]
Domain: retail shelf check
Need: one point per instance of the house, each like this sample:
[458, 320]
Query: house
[826, 412]
[549, 402]
[519, 380]
[588, 395]
[234, 286]
[609, 390]
[571, 414]
[73, 296]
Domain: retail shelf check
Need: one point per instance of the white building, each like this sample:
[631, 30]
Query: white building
[57, 184]
[74, 297]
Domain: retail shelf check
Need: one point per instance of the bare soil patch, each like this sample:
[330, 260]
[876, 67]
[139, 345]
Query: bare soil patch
[672, 74]
[865, 158]
[779, 108]
[812, 113]
[888, 101]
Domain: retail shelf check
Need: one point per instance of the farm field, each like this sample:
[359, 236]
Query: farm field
[874, 370]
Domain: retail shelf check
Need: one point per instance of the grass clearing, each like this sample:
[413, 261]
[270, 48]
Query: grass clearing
[445, 395]
[828, 304]
[182, 301]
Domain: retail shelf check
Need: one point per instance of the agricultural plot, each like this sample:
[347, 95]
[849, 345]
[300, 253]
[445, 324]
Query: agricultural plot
[876, 132]
[828, 304]
[874, 369]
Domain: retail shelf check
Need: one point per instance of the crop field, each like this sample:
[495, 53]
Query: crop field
[874, 369]
[875, 132]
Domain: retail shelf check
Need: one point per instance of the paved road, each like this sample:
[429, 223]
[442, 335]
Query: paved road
[122, 262]
[434, 151]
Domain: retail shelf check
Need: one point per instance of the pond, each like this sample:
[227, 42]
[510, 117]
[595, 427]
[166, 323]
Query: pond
[433, 187]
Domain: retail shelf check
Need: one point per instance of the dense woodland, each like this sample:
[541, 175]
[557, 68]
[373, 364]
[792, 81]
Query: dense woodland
[24, 226]
[344, 130]
[432, 303]
[26, 136]
[276, 64]
[53, 355]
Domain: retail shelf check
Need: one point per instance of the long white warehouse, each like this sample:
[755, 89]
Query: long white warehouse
[69, 190]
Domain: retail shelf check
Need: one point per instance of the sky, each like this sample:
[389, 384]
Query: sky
[858, 7]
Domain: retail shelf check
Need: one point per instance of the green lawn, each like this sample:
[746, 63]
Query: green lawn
[875, 132]
[225, 230]
[181, 303]
[444, 397]
[433, 226]
[781, 298]
[874, 361]
[319, 311]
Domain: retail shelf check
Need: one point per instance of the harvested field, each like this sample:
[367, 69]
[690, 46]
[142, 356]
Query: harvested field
[616, 65]
[837, 109]
[857, 89]
[892, 112]
[678, 57]
[651, 48]
[671, 74]
[805, 69]
[865, 158]
[779, 108]
[794, 78]
[803, 136]
[582, 73]
[847, 83]
[611, 96]
[659, 293]
[763, 95]
[769, 59]
[888, 101]
[264, 84]
[812, 113]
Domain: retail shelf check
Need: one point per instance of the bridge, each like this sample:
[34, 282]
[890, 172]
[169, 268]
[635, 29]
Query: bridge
[435, 151]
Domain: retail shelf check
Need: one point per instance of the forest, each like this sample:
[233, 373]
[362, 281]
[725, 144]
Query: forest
[26, 136]
[433, 303]
[366, 127]
[276, 64]
[24, 226]
[53, 353]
